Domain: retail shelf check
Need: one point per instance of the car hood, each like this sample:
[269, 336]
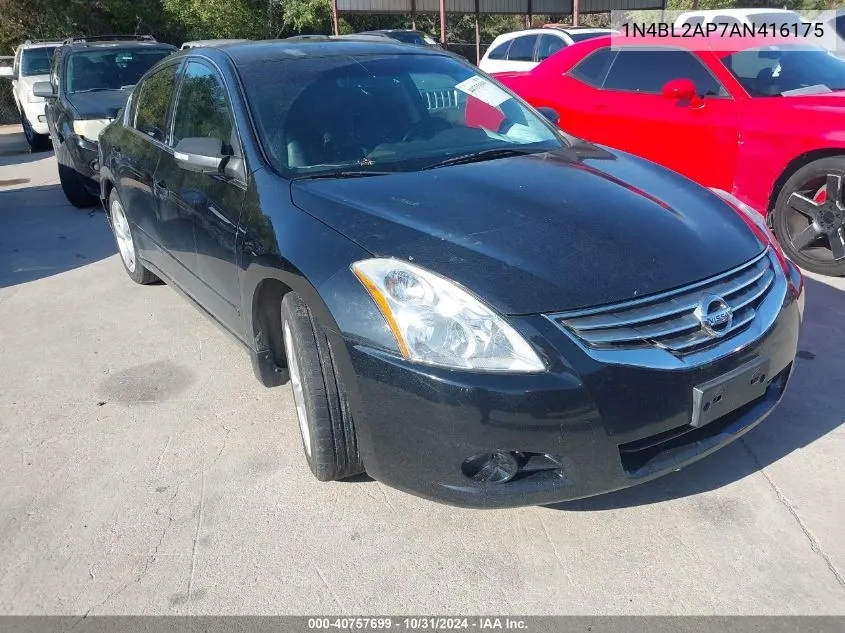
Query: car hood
[102, 104]
[579, 227]
[26, 83]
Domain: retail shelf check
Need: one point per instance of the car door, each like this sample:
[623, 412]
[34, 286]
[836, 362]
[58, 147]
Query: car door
[210, 201]
[167, 239]
[625, 108]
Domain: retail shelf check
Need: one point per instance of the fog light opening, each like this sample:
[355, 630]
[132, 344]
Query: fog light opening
[494, 468]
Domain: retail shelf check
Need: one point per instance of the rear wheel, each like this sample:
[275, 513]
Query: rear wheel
[126, 243]
[809, 217]
[72, 185]
[328, 436]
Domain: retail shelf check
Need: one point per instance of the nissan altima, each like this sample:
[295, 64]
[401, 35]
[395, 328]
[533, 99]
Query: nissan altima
[468, 303]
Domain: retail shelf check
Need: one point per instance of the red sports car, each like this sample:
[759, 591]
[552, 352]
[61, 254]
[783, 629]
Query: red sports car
[762, 120]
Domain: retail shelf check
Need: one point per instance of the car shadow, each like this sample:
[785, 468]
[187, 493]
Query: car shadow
[42, 235]
[812, 407]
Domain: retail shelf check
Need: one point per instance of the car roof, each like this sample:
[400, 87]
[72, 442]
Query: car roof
[737, 13]
[273, 50]
[212, 42]
[38, 44]
[719, 45]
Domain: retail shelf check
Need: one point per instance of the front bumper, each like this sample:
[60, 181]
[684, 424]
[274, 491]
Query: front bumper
[86, 161]
[606, 427]
[35, 114]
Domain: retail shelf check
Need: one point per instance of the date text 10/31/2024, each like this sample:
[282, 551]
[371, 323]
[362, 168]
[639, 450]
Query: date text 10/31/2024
[714, 29]
[419, 623]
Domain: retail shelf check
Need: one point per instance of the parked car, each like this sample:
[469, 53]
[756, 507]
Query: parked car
[31, 65]
[486, 316]
[90, 79]
[406, 36]
[727, 19]
[206, 43]
[758, 118]
[521, 51]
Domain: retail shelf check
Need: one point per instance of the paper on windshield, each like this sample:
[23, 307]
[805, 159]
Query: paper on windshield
[483, 90]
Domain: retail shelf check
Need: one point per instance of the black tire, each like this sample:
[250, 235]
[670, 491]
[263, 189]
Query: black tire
[36, 142]
[333, 452]
[137, 272]
[71, 181]
[812, 233]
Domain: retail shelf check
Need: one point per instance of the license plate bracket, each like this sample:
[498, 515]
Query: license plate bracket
[730, 391]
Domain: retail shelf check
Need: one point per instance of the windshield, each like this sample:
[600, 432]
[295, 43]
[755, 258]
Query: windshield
[771, 71]
[110, 69]
[385, 113]
[36, 61]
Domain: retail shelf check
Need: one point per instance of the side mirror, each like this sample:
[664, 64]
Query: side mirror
[199, 154]
[7, 71]
[550, 113]
[205, 155]
[681, 90]
[43, 89]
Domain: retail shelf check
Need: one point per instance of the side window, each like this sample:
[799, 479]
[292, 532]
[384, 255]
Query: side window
[153, 103]
[202, 109]
[692, 21]
[500, 51]
[840, 26]
[522, 49]
[549, 45]
[592, 70]
[647, 71]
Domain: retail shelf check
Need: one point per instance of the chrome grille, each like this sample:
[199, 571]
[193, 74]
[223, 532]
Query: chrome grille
[668, 321]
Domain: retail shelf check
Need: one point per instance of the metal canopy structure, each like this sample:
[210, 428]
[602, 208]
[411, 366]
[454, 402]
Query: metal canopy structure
[484, 7]
[488, 7]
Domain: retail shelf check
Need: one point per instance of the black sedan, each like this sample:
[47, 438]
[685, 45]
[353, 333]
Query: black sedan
[468, 303]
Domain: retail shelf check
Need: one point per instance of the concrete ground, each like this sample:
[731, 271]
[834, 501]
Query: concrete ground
[143, 470]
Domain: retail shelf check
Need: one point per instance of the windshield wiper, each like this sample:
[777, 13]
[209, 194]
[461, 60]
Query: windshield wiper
[344, 174]
[477, 157]
[77, 92]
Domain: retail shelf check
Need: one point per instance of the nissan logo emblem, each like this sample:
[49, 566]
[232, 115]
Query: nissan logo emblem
[715, 315]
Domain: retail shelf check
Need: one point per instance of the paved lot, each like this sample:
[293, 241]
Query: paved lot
[143, 470]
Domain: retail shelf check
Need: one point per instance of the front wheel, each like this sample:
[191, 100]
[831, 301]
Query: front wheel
[328, 436]
[126, 243]
[36, 142]
[809, 217]
[72, 185]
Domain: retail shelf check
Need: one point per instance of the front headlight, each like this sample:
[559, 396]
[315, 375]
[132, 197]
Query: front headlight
[89, 128]
[750, 214]
[435, 321]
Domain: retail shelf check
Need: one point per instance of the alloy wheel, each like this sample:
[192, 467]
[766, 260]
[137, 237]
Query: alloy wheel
[816, 219]
[298, 394]
[123, 235]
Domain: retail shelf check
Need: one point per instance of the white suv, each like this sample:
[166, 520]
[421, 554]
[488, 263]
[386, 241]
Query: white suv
[521, 51]
[32, 64]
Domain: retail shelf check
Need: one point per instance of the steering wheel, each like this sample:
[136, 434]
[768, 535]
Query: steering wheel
[427, 128]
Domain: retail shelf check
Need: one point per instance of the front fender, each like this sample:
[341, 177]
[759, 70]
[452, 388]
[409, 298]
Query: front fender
[282, 248]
